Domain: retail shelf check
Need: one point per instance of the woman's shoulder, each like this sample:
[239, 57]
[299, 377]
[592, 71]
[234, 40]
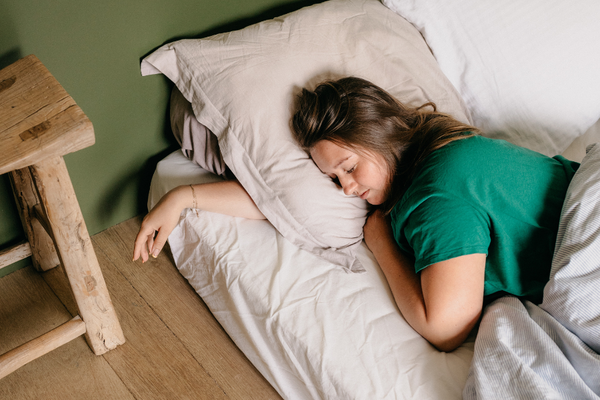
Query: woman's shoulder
[480, 155]
[464, 164]
[457, 158]
[480, 145]
[477, 164]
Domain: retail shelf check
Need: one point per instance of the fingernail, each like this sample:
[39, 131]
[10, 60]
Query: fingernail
[155, 253]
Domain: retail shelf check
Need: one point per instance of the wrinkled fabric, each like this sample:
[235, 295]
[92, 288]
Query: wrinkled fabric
[312, 330]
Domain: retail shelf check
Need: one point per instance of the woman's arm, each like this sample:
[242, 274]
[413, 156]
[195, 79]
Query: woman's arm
[227, 197]
[444, 303]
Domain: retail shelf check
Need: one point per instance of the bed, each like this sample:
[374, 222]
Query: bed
[300, 294]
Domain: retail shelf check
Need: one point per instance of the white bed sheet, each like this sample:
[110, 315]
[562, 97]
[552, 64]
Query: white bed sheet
[313, 330]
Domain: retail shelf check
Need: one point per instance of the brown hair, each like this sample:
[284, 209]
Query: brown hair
[360, 116]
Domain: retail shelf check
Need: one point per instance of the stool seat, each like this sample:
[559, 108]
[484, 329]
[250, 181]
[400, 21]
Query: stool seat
[38, 119]
[39, 123]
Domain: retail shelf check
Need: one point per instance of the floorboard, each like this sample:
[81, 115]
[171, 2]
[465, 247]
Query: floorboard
[182, 310]
[175, 348]
[28, 309]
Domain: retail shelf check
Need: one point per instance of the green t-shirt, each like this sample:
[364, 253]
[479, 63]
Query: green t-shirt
[481, 195]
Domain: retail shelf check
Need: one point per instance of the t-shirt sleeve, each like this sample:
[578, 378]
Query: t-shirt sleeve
[441, 228]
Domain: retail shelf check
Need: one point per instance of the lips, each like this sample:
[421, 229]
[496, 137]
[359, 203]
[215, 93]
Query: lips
[365, 194]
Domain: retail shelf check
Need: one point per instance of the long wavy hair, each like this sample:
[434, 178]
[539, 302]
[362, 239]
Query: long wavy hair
[360, 116]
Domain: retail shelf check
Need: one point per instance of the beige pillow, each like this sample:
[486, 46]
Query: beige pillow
[197, 142]
[242, 87]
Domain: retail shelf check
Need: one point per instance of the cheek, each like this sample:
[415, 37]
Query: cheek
[380, 177]
[386, 180]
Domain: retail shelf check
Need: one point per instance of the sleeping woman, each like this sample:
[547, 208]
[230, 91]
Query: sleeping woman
[459, 219]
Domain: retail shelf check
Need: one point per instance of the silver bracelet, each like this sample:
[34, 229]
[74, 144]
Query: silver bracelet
[194, 202]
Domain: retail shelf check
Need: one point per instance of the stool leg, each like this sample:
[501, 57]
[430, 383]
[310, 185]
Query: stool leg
[43, 253]
[59, 203]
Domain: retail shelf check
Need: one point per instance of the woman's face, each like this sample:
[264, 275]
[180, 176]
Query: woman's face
[359, 175]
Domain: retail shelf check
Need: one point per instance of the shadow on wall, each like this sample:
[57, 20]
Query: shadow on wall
[10, 57]
[110, 200]
[144, 175]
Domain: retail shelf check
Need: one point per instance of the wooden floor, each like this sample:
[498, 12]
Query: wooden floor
[175, 348]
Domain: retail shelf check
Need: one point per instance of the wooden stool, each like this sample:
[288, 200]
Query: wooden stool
[39, 123]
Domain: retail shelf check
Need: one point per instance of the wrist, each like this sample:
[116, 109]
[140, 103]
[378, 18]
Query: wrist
[181, 197]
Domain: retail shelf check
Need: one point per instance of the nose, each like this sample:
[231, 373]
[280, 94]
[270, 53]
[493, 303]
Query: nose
[348, 185]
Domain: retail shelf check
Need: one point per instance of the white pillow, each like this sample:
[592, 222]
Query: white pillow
[243, 84]
[529, 71]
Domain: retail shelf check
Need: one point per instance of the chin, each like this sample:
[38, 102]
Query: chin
[375, 202]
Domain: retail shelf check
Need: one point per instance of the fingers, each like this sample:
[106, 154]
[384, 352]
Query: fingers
[140, 249]
[149, 242]
[158, 243]
[156, 227]
[143, 243]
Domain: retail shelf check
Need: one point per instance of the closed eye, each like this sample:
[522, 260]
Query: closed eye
[351, 170]
[335, 180]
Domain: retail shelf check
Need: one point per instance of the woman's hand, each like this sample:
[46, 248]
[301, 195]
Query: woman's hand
[224, 197]
[162, 219]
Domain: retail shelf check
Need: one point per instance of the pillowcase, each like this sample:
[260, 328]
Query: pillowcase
[527, 70]
[242, 86]
[197, 143]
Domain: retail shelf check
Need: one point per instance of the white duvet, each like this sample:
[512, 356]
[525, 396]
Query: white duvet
[313, 330]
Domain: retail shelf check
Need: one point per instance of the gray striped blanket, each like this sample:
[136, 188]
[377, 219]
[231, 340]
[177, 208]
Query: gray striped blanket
[550, 351]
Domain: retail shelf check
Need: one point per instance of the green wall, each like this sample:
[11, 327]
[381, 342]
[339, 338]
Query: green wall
[93, 48]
